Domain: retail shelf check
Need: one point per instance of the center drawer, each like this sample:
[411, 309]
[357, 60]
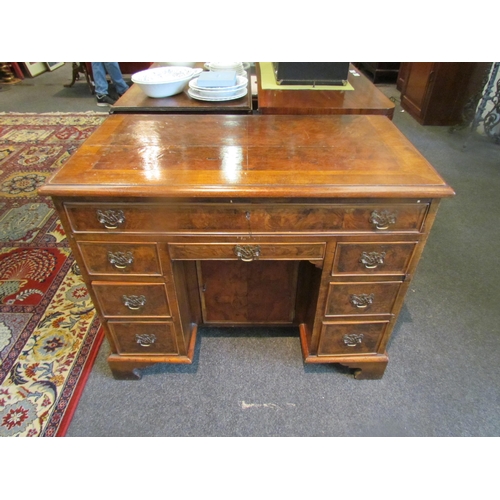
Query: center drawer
[207, 218]
[254, 251]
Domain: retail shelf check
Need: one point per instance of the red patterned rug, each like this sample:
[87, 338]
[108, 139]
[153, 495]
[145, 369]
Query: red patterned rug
[49, 332]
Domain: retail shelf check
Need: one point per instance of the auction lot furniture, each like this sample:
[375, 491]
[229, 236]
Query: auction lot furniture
[380, 71]
[179, 221]
[363, 99]
[136, 101]
[437, 93]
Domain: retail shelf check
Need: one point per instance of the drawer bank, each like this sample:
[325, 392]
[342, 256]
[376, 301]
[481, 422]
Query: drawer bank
[181, 221]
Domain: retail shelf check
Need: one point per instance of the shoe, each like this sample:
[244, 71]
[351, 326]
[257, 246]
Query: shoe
[104, 100]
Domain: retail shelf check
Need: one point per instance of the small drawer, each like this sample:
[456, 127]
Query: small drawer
[248, 252]
[361, 298]
[120, 258]
[220, 218]
[351, 338]
[143, 338]
[373, 258]
[132, 299]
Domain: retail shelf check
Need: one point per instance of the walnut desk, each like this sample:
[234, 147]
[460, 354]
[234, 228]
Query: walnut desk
[178, 221]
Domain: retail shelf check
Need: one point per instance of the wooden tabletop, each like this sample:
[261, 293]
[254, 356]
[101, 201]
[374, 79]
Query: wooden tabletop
[136, 101]
[365, 99]
[247, 156]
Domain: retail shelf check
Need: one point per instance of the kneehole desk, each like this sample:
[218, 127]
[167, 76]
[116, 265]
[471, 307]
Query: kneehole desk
[178, 221]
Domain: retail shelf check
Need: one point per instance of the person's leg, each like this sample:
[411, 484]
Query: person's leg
[115, 74]
[101, 85]
[100, 81]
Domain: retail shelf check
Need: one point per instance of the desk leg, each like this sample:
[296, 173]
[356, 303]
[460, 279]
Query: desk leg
[126, 370]
[368, 370]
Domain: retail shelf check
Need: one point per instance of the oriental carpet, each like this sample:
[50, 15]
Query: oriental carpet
[49, 331]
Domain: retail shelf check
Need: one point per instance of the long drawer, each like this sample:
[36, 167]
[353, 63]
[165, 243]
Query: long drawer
[220, 218]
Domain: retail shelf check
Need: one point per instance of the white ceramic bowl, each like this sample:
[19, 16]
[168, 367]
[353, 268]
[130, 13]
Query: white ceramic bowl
[165, 81]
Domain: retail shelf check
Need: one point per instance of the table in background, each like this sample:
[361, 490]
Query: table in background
[365, 99]
[136, 101]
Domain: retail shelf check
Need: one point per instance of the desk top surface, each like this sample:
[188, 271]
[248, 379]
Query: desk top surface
[366, 98]
[256, 156]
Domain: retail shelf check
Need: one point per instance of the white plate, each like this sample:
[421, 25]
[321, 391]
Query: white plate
[217, 93]
[232, 66]
[220, 65]
[241, 83]
[194, 94]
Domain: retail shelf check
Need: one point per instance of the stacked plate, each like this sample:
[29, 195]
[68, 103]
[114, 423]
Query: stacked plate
[219, 93]
[239, 67]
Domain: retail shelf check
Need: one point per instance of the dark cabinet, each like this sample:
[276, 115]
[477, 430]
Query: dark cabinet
[380, 71]
[437, 93]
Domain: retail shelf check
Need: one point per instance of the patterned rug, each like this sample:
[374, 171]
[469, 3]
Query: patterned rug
[49, 332]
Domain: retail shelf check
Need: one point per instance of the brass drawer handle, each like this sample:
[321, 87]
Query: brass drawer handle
[371, 260]
[134, 302]
[110, 219]
[353, 339]
[362, 301]
[120, 260]
[145, 339]
[383, 219]
[247, 253]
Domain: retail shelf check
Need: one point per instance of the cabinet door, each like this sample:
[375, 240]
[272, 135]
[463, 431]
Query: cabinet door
[260, 292]
[402, 75]
[416, 90]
